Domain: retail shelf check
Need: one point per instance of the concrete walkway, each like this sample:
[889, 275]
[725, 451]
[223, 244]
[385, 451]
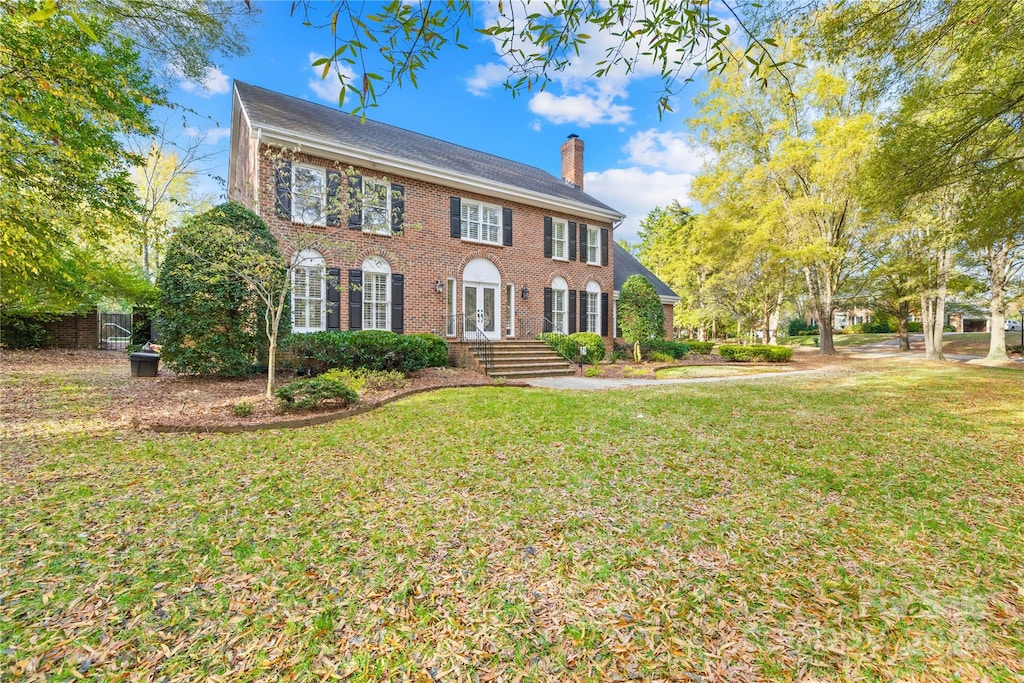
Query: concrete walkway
[601, 383]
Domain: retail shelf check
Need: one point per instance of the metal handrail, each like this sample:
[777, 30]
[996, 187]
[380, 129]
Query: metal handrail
[546, 327]
[481, 345]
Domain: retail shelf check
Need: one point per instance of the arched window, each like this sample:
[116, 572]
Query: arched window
[591, 309]
[559, 306]
[309, 291]
[376, 294]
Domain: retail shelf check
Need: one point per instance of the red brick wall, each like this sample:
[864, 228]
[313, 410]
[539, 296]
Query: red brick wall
[73, 332]
[426, 252]
[669, 313]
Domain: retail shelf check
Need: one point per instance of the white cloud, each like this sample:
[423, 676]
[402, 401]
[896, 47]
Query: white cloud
[535, 126]
[486, 76]
[329, 89]
[665, 150]
[584, 109]
[635, 192]
[211, 136]
[214, 82]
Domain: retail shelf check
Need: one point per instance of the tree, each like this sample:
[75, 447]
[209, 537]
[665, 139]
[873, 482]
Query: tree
[640, 314]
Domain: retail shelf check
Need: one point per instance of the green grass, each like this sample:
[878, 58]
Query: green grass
[841, 340]
[866, 525]
[698, 371]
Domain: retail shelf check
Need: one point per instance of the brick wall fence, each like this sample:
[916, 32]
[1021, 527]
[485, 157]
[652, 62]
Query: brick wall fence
[73, 332]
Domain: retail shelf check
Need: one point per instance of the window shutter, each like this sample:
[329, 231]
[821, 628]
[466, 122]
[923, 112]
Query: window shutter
[583, 311]
[572, 311]
[572, 241]
[283, 188]
[355, 299]
[333, 299]
[456, 217]
[397, 303]
[333, 201]
[604, 314]
[506, 222]
[547, 239]
[547, 309]
[583, 243]
[355, 207]
[604, 246]
[397, 209]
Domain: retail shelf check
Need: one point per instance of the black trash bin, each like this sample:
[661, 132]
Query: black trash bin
[145, 363]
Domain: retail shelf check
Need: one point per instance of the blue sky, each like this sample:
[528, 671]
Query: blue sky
[633, 161]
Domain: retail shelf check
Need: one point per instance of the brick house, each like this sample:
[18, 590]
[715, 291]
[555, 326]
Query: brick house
[448, 240]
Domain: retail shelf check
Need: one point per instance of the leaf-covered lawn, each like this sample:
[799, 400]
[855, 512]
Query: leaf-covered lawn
[702, 371]
[840, 340]
[866, 525]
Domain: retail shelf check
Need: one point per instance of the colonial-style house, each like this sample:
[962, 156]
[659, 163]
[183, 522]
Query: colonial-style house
[442, 239]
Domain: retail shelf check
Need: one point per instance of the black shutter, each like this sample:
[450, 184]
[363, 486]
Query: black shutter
[397, 303]
[355, 205]
[572, 311]
[547, 236]
[572, 241]
[604, 246]
[456, 217]
[283, 188]
[506, 221]
[397, 209]
[583, 243]
[547, 309]
[333, 298]
[355, 299]
[333, 201]
[583, 311]
[604, 314]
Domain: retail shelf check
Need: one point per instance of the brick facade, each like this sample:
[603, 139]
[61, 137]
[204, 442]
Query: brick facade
[73, 332]
[425, 253]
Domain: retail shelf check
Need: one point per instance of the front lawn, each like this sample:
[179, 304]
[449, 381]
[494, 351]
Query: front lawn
[866, 524]
[841, 340]
[699, 371]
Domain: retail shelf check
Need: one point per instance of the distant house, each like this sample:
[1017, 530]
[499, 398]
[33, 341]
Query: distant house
[626, 265]
[449, 240]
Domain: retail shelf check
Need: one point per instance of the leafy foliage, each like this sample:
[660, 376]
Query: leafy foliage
[640, 314]
[211, 322]
[699, 347]
[376, 350]
[673, 350]
[23, 331]
[756, 352]
[312, 392]
[592, 342]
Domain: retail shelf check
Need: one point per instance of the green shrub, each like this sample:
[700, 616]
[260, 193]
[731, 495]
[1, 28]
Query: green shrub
[640, 313]
[592, 342]
[880, 323]
[915, 326]
[799, 326]
[592, 371]
[701, 348]
[367, 349]
[362, 380]
[673, 349]
[24, 331]
[659, 357]
[311, 392]
[756, 352]
[561, 343]
[242, 409]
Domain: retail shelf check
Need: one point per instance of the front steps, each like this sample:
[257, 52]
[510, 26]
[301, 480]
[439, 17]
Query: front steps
[528, 358]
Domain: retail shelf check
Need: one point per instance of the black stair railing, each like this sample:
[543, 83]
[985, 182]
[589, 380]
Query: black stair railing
[532, 328]
[466, 328]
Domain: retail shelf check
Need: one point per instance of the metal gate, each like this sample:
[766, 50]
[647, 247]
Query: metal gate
[115, 330]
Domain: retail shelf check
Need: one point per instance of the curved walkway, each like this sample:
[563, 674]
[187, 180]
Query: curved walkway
[600, 383]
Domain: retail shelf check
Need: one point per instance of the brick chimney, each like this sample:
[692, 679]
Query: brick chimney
[572, 161]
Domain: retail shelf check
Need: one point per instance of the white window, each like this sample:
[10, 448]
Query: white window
[481, 222]
[309, 289]
[559, 239]
[593, 321]
[451, 293]
[309, 189]
[559, 296]
[376, 294]
[376, 207]
[593, 246]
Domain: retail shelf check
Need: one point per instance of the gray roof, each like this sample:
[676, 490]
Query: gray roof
[626, 264]
[308, 119]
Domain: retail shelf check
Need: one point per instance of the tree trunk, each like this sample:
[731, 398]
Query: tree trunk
[820, 290]
[271, 365]
[773, 321]
[902, 326]
[933, 306]
[996, 266]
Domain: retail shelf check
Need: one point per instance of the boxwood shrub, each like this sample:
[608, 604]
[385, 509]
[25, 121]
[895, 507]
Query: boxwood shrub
[593, 343]
[756, 352]
[561, 343]
[702, 348]
[663, 347]
[311, 392]
[369, 349]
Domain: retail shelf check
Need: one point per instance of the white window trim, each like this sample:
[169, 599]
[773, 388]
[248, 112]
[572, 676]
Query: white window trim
[310, 260]
[451, 304]
[555, 289]
[594, 289]
[593, 240]
[322, 172]
[564, 241]
[378, 266]
[386, 230]
[481, 206]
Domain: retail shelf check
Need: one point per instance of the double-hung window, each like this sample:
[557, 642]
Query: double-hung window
[376, 294]
[559, 306]
[308, 292]
[481, 222]
[376, 207]
[593, 321]
[559, 239]
[593, 246]
[309, 190]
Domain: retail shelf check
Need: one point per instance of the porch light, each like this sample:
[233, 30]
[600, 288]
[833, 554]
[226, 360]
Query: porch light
[525, 292]
[438, 287]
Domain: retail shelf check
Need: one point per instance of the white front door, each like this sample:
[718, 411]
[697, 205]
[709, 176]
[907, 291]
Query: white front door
[481, 303]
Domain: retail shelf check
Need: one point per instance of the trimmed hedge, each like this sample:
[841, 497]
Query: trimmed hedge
[663, 347]
[756, 352]
[370, 349]
[568, 345]
[701, 348]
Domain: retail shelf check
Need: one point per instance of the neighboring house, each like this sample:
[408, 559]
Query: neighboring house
[448, 240]
[625, 265]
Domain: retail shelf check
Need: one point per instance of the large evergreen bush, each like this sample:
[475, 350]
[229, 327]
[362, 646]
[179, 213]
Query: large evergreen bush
[640, 314]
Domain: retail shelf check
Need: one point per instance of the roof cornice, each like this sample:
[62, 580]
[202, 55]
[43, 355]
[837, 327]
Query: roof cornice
[426, 172]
